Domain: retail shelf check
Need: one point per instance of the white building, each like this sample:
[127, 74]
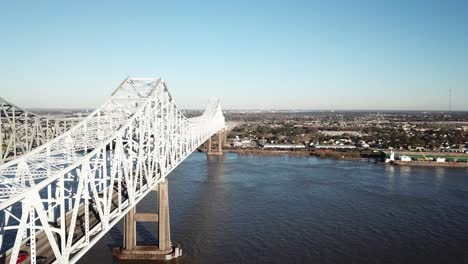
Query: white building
[405, 158]
[341, 133]
[334, 147]
[283, 146]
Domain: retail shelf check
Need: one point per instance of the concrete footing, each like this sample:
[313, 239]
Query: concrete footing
[146, 253]
[164, 250]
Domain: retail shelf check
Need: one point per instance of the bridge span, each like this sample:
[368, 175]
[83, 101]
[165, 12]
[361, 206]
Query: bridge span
[59, 196]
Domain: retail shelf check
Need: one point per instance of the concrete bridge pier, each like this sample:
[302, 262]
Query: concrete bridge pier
[164, 250]
[219, 151]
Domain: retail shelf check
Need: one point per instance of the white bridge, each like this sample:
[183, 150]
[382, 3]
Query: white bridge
[66, 182]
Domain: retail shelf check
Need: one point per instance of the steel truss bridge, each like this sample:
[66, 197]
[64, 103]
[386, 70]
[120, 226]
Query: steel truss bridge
[70, 181]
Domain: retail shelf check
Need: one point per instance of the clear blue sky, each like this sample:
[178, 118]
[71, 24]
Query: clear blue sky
[252, 54]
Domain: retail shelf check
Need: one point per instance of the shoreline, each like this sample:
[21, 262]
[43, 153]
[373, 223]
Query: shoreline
[351, 156]
[263, 152]
[301, 153]
[431, 164]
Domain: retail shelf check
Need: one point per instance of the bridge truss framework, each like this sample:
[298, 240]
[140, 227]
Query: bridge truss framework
[59, 199]
[21, 130]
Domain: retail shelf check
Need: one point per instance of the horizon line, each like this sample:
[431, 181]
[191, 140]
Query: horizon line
[277, 110]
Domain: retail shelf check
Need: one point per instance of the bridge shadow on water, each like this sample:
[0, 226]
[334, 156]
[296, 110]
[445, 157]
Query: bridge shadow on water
[116, 236]
[206, 214]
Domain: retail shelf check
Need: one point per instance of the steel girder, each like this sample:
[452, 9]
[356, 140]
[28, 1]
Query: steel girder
[59, 199]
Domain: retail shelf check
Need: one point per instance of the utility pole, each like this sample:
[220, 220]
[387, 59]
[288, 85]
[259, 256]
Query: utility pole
[450, 100]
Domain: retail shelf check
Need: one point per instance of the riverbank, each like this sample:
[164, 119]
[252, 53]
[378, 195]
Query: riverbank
[264, 152]
[431, 164]
[338, 155]
[320, 154]
[342, 155]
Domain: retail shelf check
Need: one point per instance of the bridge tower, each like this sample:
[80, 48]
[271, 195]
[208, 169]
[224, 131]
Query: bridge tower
[220, 141]
[164, 250]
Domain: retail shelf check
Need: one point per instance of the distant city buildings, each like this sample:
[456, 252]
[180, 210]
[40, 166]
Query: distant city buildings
[351, 131]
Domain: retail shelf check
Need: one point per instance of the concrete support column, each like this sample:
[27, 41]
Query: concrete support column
[219, 150]
[130, 230]
[164, 220]
[208, 146]
[162, 251]
[220, 142]
[225, 132]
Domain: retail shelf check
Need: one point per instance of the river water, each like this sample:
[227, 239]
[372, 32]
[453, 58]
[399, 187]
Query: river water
[284, 209]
